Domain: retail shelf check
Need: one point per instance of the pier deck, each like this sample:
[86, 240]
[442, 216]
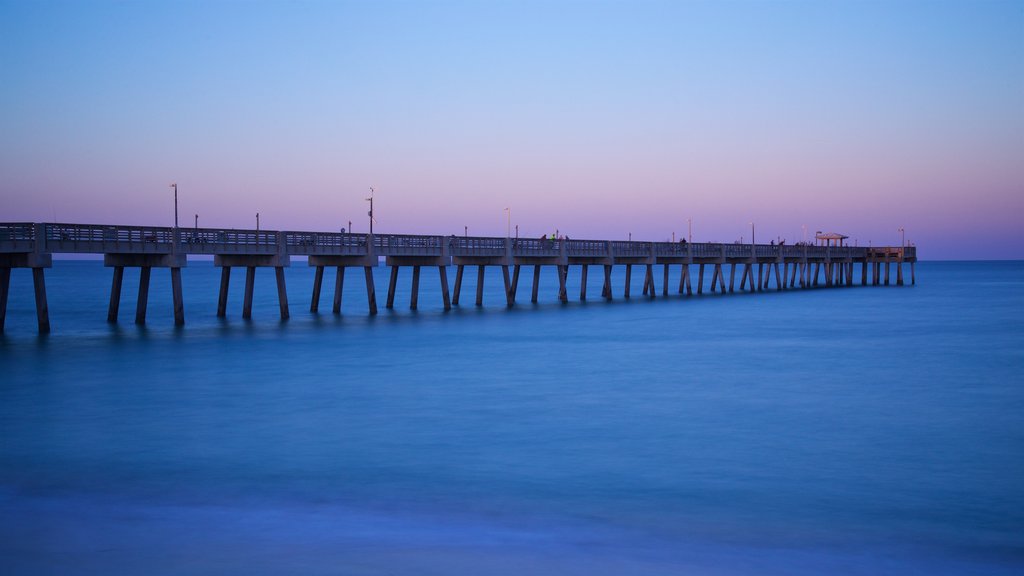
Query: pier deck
[31, 245]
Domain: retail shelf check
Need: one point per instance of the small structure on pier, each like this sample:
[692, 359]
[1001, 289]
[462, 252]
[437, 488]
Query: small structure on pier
[830, 238]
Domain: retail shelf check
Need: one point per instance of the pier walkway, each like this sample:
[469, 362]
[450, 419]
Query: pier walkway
[762, 266]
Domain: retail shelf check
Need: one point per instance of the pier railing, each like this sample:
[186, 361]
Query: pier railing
[88, 238]
[408, 245]
[536, 247]
[629, 249]
[476, 246]
[17, 237]
[20, 237]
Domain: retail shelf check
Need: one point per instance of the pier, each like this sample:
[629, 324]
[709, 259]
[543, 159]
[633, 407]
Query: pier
[761, 266]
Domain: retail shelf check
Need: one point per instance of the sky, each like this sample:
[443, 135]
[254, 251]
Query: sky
[596, 119]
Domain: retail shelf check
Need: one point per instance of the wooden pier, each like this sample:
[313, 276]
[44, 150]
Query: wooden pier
[761, 266]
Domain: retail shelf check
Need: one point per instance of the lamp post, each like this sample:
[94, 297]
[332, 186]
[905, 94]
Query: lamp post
[197, 222]
[902, 232]
[370, 213]
[752, 233]
[508, 223]
[257, 222]
[689, 230]
[175, 186]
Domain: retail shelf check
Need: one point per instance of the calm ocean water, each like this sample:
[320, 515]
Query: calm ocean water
[832, 431]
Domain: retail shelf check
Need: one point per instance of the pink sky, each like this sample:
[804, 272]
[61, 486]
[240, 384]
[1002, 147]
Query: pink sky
[598, 120]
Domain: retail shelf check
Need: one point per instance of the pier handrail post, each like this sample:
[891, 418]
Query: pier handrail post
[38, 239]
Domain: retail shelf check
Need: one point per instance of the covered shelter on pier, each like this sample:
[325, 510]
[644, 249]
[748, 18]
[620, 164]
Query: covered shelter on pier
[829, 238]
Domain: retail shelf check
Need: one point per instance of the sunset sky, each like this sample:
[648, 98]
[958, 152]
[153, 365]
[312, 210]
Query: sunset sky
[598, 119]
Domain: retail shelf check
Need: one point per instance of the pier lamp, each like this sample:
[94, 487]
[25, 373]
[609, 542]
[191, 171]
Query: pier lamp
[370, 213]
[689, 230]
[197, 221]
[175, 186]
[752, 233]
[508, 223]
[257, 222]
[902, 232]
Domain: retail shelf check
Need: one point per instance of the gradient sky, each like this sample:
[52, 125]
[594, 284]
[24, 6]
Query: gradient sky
[598, 119]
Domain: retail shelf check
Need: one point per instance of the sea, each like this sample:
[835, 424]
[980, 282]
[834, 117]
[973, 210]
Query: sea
[848, 430]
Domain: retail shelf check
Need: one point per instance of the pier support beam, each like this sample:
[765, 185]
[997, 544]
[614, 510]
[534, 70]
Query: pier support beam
[700, 279]
[583, 283]
[176, 297]
[339, 284]
[458, 284]
[222, 299]
[515, 281]
[442, 272]
[5, 290]
[371, 292]
[563, 272]
[35, 261]
[629, 275]
[732, 277]
[42, 308]
[318, 281]
[606, 291]
[664, 287]
[250, 282]
[115, 295]
[536, 283]
[252, 261]
[684, 279]
[480, 285]
[282, 294]
[415, 296]
[143, 301]
[390, 304]
[510, 297]
[649, 287]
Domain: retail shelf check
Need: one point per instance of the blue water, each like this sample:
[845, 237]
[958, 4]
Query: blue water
[864, 430]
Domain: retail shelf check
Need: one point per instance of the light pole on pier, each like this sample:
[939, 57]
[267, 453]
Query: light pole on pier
[752, 233]
[804, 227]
[197, 221]
[349, 226]
[689, 230]
[902, 232]
[370, 213]
[175, 186]
[508, 223]
[257, 222]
